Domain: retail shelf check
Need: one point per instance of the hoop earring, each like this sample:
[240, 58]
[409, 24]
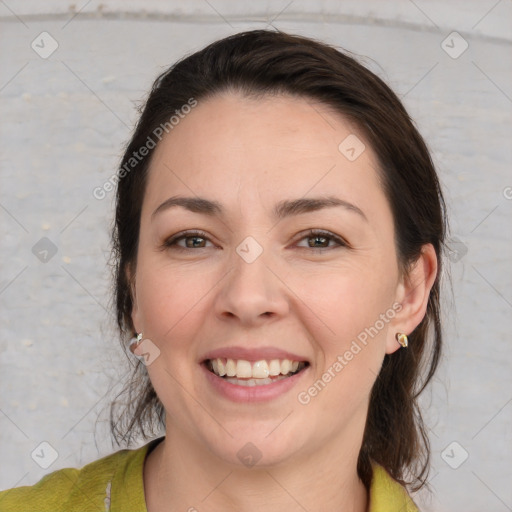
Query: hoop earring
[135, 342]
[402, 339]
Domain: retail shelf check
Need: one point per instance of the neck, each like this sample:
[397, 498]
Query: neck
[179, 475]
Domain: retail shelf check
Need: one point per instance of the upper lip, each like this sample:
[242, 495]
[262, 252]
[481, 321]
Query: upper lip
[252, 354]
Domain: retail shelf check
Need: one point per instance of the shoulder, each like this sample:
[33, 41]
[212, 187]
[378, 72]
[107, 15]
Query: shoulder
[68, 489]
[387, 494]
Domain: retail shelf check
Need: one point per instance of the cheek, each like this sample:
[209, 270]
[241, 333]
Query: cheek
[168, 299]
[172, 305]
[355, 307]
[347, 301]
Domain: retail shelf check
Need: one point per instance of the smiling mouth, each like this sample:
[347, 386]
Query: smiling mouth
[259, 373]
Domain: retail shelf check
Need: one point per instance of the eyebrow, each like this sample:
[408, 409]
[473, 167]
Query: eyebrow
[281, 210]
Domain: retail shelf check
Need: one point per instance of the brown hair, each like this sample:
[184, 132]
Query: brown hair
[263, 62]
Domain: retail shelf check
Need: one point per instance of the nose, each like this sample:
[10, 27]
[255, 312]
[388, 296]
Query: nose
[251, 293]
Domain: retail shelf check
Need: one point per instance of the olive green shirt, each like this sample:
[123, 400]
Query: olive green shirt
[115, 484]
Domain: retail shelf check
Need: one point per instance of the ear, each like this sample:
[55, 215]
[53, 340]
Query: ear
[412, 294]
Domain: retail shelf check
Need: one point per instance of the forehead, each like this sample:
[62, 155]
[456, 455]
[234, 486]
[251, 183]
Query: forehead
[261, 150]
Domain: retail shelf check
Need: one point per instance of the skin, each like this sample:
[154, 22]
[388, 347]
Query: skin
[248, 155]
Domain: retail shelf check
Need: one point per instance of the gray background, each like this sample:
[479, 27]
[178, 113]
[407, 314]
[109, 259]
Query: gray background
[64, 120]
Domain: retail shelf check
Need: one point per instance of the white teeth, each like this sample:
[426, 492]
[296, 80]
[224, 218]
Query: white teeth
[221, 367]
[243, 369]
[274, 367]
[260, 370]
[253, 382]
[230, 368]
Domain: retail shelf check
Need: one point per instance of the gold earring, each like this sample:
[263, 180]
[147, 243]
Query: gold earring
[402, 339]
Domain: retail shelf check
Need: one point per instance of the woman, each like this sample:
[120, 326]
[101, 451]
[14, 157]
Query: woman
[278, 235]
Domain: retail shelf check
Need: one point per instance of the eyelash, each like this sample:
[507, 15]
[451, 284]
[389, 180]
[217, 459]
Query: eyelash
[312, 233]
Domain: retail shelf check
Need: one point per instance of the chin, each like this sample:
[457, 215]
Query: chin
[253, 449]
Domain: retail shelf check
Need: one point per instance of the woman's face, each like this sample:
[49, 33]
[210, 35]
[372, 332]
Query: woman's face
[256, 292]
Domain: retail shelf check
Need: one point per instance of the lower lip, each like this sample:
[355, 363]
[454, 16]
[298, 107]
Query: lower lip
[256, 393]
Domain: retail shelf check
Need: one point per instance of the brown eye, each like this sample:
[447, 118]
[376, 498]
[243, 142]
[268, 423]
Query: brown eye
[322, 240]
[318, 241]
[192, 240]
